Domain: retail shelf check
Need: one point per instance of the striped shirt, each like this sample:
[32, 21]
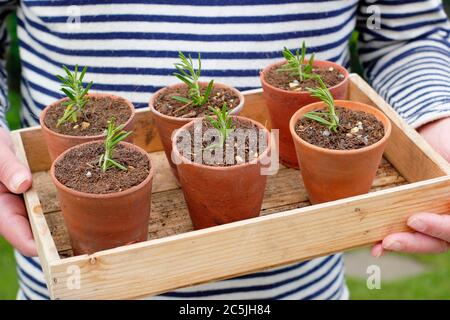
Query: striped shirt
[130, 47]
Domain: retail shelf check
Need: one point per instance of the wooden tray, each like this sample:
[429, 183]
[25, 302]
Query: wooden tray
[412, 178]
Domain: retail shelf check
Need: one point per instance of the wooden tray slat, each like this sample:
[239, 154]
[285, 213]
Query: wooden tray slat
[247, 246]
[413, 157]
[170, 216]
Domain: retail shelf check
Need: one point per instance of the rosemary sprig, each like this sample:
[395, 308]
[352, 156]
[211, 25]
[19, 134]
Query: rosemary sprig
[113, 136]
[72, 86]
[191, 77]
[222, 122]
[295, 64]
[327, 118]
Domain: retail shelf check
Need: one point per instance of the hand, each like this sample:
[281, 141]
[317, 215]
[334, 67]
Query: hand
[15, 178]
[432, 231]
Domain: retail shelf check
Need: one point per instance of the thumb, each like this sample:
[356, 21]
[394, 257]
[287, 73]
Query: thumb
[13, 174]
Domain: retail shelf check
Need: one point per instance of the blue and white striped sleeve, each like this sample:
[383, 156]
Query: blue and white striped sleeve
[407, 58]
[6, 6]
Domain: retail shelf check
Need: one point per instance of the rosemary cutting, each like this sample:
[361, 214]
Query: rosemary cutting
[72, 86]
[295, 64]
[222, 122]
[327, 118]
[114, 135]
[191, 77]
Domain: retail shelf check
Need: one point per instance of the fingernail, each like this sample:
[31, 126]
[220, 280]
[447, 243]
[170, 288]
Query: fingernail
[17, 181]
[417, 224]
[378, 254]
[393, 246]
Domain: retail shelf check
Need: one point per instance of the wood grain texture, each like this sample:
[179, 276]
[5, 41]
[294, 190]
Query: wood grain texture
[285, 191]
[145, 135]
[288, 230]
[229, 250]
[413, 157]
[44, 242]
[416, 160]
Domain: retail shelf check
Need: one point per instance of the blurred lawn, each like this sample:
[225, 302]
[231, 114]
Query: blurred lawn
[8, 276]
[434, 284]
[13, 68]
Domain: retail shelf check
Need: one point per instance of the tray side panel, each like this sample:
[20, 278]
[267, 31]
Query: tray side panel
[410, 154]
[145, 133]
[170, 215]
[242, 247]
[145, 136]
[255, 107]
[35, 148]
[41, 232]
[416, 160]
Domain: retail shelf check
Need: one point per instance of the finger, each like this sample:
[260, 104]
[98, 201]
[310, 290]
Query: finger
[377, 250]
[435, 225]
[14, 225]
[3, 189]
[5, 139]
[414, 243]
[13, 174]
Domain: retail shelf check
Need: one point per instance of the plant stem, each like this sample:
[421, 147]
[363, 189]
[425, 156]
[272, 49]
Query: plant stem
[332, 121]
[114, 135]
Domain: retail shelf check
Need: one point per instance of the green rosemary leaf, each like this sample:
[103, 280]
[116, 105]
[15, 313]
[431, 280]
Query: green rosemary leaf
[318, 119]
[83, 73]
[68, 93]
[324, 94]
[72, 87]
[184, 79]
[187, 73]
[118, 165]
[208, 91]
[222, 122]
[181, 99]
[114, 135]
[295, 63]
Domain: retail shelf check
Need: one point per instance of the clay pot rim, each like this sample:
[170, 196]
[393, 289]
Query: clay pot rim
[341, 69]
[219, 168]
[359, 107]
[151, 102]
[87, 138]
[101, 196]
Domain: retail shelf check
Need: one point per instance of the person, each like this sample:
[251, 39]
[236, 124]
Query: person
[130, 47]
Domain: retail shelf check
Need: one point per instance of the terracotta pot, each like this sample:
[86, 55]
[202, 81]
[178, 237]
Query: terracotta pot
[167, 125]
[98, 222]
[57, 143]
[335, 174]
[282, 104]
[219, 195]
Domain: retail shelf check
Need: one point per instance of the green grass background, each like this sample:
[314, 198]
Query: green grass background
[433, 284]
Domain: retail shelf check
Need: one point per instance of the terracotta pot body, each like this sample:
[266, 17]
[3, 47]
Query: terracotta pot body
[98, 222]
[282, 104]
[58, 143]
[335, 174]
[167, 125]
[219, 195]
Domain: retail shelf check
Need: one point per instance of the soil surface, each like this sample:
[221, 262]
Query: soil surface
[239, 155]
[357, 130]
[171, 107]
[286, 81]
[79, 169]
[95, 119]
